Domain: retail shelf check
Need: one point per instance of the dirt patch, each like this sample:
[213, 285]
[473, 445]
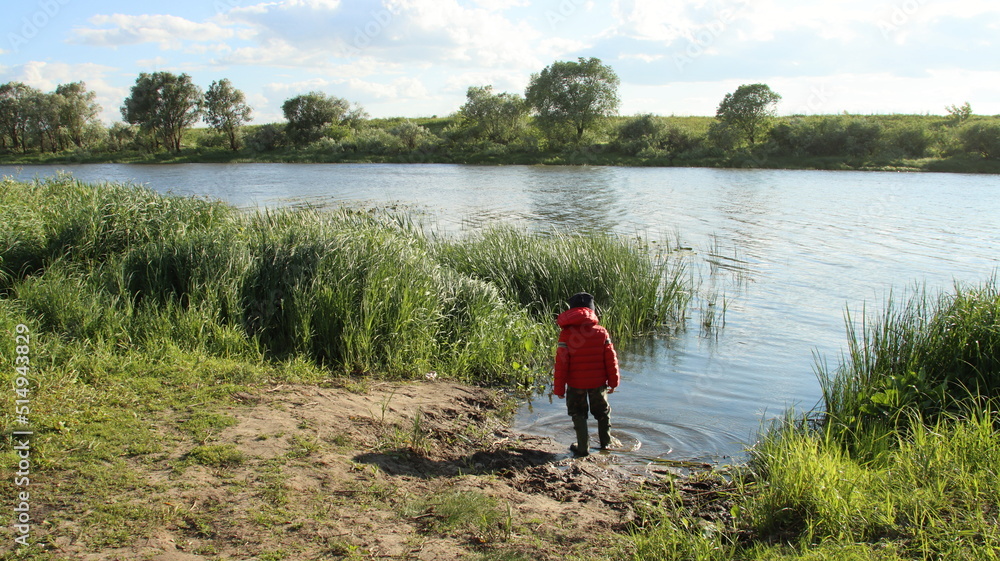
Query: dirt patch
[423, 470]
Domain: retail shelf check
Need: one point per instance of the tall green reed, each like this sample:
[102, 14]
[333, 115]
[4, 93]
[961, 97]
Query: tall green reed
[46, 220]
[129, 269]
[365, 294]
[486, 337]
[929, 354]
[636, 292]
[202, 268]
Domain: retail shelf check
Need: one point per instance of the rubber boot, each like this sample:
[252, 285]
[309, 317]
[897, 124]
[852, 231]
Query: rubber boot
[581, 448]
[604, 432]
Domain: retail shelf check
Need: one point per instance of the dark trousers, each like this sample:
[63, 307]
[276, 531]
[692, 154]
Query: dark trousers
[577, 403]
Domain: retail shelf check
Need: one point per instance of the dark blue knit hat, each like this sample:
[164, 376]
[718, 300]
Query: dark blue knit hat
[582, 300]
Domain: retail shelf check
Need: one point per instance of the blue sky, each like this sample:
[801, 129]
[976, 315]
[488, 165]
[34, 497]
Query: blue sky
[416, 58]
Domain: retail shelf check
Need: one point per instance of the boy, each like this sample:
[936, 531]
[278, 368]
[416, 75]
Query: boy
[586, 370]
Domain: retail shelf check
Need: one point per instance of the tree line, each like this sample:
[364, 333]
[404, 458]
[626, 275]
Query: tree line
[51, 121]
[569, 105]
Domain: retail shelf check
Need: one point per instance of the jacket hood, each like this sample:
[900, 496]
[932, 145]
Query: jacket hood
[577, 316]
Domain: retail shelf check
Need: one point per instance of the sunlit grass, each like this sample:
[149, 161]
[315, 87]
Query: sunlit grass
[122, 268]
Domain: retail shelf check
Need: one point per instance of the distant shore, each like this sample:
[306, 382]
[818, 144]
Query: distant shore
[958, 164]
[912, 143]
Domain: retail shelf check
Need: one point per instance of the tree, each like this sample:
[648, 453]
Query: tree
[497, 117]
[42, 119]
[226, 110]
[14, 109]
[307, 114]
[120, 136]
[163, 104]
[574, 94]
[355, 117]
[958, 114]
[748, 110]
[78, 109]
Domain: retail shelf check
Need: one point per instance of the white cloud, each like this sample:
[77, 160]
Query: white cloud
[417, 31]
[301, 86]
[213, 48]
[400, 89]
[46, 76]
[155, 63]
[665, 22]
[662, 21]
[643, 57]
[501, 5]
[168, 31]
[502, 81]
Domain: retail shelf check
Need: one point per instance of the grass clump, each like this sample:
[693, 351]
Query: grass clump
[466, 511]
[216, 455]
[344, 290]
[928, 356]
[56, 217]
[635, 293]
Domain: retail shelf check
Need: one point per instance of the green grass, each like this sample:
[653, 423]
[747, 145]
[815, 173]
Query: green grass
[927, 355]
[122, 268]
[931, 494]
[635, 294]
[902, 465]
[216, 455]
[465, 511]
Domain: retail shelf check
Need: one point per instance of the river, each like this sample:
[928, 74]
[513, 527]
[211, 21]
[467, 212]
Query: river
[786, 252]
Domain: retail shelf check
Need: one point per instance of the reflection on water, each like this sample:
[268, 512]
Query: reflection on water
[786, 252]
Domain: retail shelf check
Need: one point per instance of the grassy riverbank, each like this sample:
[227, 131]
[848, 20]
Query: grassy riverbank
[824, 142]
[153, 324]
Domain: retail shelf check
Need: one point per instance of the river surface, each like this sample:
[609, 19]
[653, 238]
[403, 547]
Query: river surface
[786, 253]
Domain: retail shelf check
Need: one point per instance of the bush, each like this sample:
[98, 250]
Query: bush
[828, 137]
[981, 138]
[266, 138]
[377, 142]
[722, 136]
[640, 133]
[912, 141]
[679, 141]
[121, 137]
[213, 140]
[326, 146]
[412, 135]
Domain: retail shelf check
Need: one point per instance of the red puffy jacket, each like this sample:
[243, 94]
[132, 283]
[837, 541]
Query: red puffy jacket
[585, 359]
